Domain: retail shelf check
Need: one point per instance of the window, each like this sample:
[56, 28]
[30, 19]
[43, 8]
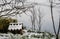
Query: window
[13, 24]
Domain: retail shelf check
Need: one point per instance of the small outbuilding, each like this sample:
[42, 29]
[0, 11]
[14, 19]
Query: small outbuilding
[15, 28]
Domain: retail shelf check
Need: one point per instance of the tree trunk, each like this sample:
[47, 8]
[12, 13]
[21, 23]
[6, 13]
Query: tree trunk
[57, 37]
[51, 6]
[39, 20]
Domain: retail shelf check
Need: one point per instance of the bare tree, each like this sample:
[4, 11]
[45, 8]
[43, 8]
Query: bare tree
[51, 6]
[39, 25]
[13, 9]
[56, 33]
[33, 16]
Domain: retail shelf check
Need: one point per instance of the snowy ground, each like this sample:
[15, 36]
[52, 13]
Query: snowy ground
[26, 36]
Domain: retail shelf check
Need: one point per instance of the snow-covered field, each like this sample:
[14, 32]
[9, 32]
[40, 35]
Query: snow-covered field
[26, 36]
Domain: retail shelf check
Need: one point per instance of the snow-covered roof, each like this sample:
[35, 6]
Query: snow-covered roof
[15, 26]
